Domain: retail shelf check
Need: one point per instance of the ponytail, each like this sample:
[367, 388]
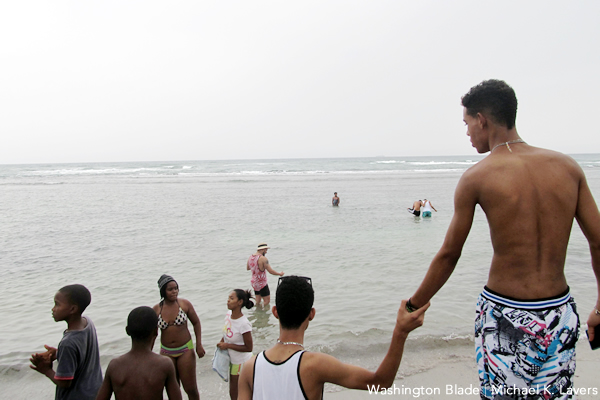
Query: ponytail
[246, 297]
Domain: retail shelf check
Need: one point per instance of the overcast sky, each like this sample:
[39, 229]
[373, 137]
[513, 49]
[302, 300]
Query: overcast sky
[197, 80]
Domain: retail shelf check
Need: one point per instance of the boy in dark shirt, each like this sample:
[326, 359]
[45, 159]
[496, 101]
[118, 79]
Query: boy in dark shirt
[78, 374]
[140, 374]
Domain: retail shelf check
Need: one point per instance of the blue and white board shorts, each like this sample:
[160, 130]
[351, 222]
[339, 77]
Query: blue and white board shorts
[526, 349]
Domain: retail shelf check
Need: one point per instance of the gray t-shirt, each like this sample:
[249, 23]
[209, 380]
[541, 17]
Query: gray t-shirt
[79, 361]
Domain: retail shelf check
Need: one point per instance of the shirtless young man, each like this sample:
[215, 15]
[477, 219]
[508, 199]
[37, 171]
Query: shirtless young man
[140, 374]
[416, 208]
[258, 264]
[526, 325]
[287, 371]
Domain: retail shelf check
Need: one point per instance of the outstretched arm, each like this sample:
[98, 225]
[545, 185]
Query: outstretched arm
[330, 369]
[263, 264]
[588, 218]
[444, 262]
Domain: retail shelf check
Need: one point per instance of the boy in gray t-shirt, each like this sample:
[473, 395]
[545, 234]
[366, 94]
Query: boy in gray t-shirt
[78, 374]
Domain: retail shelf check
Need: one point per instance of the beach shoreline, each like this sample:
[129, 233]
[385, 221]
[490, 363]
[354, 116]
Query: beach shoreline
[454, 380]
[90, 223]
[452, 376]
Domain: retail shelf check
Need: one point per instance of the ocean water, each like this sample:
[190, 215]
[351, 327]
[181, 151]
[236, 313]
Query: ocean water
[116, 227]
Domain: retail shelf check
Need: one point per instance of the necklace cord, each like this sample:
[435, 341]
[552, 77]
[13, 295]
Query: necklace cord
[287, 343]
[507, 144]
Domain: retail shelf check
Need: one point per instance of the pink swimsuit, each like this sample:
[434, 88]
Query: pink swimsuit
[259, 278]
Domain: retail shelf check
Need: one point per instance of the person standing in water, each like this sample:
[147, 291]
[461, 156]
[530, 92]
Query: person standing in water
[258, 264]
[237, 336]
[335, 201]
[427, 206]
[175, 338]
[416, 208]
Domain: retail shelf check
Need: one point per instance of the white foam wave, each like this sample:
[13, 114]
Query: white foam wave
[438, 170]
[92, 171]
[466, 162]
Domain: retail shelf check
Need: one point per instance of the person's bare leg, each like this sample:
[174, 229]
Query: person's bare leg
[186, 368]
[175, 365]
[258, 299]
[267, 300]
[233, 386]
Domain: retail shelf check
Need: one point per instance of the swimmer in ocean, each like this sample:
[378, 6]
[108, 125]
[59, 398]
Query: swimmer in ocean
[335, 201]
[416, 208]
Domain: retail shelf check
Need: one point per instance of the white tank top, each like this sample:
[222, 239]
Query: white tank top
[426, 207]
[274, 381]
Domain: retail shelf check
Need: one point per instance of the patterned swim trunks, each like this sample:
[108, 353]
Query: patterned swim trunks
[525, 349]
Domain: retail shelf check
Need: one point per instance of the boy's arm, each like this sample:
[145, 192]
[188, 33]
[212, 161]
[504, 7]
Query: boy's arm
[44, 367]
[330, 369]
[42, 363]
[171, 384]
[245, 380]
[195, 320]
[106, 389]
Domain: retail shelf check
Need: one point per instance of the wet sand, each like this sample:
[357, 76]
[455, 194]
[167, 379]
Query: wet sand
[458, 380]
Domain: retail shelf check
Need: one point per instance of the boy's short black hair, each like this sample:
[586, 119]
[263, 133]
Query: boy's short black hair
[141, 323]
[78, 295]
[494, 97]
[294, 300]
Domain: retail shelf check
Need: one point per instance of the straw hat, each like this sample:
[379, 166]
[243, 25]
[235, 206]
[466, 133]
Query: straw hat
[263, 246]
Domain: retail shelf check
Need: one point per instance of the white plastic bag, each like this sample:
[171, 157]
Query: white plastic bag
[220, 363]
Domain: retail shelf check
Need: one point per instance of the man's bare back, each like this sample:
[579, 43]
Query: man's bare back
[417, 205]
[142, 376]
[530, 197]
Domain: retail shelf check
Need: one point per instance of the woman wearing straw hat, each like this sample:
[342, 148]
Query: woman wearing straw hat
[258, 264]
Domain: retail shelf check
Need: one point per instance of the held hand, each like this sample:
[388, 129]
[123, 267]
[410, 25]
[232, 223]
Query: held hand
[200, 351]
[281, 273]
[593, 324]
[409, 321]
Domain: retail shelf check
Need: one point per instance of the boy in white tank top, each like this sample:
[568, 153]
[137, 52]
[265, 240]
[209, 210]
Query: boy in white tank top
[287, 371]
